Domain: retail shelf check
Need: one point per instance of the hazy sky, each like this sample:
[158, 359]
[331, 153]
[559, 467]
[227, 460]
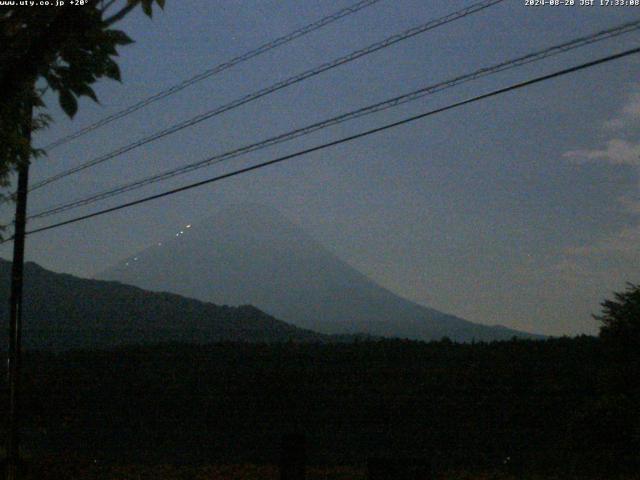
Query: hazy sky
[522, 210]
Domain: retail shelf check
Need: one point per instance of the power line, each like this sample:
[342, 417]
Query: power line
[399, 100]
[215, 70]
[275, 87]
[366, 133]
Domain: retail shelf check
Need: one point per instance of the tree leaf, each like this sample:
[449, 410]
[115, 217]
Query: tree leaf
[118, 37]
[87, 91]
[112, 70]
[68, 103]
[146, 7]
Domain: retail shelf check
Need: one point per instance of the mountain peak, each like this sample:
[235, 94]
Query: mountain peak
[252, 254]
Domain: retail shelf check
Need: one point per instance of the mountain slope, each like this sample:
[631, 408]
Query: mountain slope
[251, 254]
[62, 311]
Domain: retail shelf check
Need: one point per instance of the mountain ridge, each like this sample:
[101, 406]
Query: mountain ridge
[252, 254]
[61, 311]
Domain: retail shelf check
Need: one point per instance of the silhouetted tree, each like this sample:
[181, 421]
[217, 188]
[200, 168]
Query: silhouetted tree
[64, 49]
[620, 318]
[609, 426]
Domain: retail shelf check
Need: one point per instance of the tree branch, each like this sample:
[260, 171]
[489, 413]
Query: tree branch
[121, 14]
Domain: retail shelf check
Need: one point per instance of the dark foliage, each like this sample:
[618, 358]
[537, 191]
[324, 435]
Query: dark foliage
[66, 50]
[620, 319]
[63, 312]
[521, 405]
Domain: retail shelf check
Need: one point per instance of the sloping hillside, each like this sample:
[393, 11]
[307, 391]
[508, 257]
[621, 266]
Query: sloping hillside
[250, 254]
[63, 311]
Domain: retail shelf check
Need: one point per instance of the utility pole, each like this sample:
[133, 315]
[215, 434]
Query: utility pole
[15, 311]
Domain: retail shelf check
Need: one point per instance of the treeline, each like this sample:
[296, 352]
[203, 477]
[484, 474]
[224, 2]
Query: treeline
[518, 405]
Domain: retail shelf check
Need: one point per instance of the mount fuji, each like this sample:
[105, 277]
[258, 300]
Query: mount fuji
[249, 254]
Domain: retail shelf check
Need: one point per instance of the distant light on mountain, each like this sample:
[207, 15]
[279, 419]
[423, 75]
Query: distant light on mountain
[250, 254]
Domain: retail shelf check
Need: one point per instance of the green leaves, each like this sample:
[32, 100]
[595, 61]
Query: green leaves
[82, 48]
[69, 51]
[89, 55]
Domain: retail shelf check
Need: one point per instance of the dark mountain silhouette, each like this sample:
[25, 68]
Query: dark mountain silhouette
[252, 254]
[62, 311]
